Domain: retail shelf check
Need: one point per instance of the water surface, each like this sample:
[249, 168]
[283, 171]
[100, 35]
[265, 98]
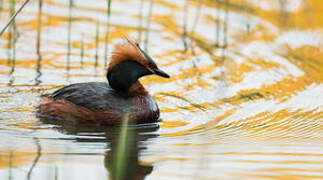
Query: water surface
[244, 101]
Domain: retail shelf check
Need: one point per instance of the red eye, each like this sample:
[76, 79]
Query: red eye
[146, 65]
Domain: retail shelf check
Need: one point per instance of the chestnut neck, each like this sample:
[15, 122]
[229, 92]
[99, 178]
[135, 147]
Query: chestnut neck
[124, 76]
[137, 89]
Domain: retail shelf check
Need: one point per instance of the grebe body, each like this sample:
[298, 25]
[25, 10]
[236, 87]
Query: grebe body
[106, 103]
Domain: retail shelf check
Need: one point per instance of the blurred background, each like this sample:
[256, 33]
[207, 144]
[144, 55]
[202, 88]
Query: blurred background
[244, 101]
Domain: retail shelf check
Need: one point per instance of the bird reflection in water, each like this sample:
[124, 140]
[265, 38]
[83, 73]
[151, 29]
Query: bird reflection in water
[121, 157]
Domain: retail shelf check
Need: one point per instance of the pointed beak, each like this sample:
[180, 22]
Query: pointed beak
[161, 73]
[154, 69]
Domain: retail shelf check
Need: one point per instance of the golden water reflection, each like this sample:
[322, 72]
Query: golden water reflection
[244, 101]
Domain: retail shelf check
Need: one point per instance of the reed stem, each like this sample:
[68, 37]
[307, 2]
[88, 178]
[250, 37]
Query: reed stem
[40, 11]
[97, 38]
[13, 17]
[82, 50]
[106, 41]
[148, 24]
[140, 21]
[69, 33]
[40, 5]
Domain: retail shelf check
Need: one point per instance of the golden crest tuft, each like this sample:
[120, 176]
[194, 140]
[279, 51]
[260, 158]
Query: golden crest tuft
[126, 50]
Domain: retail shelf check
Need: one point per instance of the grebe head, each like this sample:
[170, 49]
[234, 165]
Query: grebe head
[128, 63]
